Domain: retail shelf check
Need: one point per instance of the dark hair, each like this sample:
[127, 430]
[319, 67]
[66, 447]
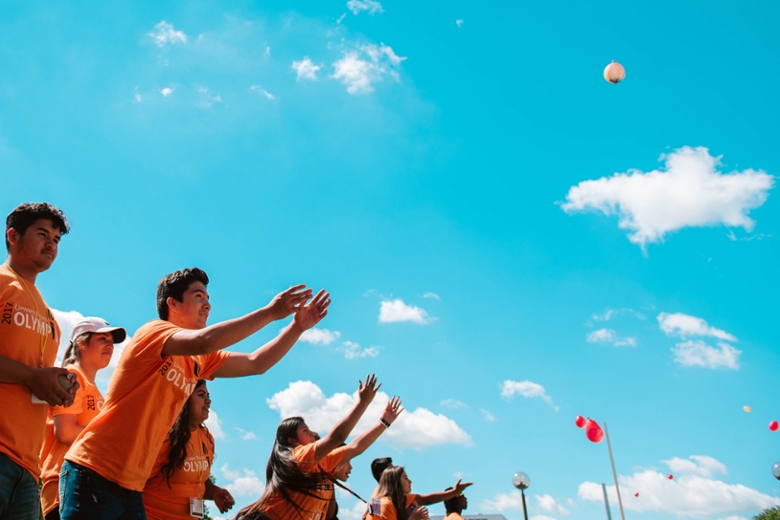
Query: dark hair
[282, 474]
[174, 286]
[390, 487]
[178, 437]
[25, 215]
[72, 353]
[380, 465]
[451, 505]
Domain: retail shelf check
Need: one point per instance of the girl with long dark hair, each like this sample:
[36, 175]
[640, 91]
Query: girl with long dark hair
[298, 485]
[180, 477]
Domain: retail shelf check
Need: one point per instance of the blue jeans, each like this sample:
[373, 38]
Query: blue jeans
[19, 499]
[85, 495]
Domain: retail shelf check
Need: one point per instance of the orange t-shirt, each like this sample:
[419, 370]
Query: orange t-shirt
[145, 395]
[172, 502]
[310, 507]
[23, 330]
[388, 509]
[86, 405]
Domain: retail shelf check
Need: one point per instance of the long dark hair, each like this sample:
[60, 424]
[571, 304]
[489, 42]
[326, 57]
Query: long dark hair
[282, 474]
[390, 487]
[178, 437]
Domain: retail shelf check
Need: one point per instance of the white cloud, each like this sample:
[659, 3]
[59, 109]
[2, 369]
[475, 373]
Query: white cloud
[691, 494]
[453, 404]
[246, 435]
[683, 325]
[165, 33]
[416, 429]
[215, 425]
[432, 296]
[258, 88]
[317, 336]
[167, 91]
[613, 313]
[358, 70]
[700, 465]
[609, 336]
[697, 353]
[352, 350]
[503, 502]
[548, 503]
[353, 513]
[392, 311]
[489, 417]
[459, 23]
[372, 6]
[305, 68]
[689, 192]
[242, 483]
[527, 389]
[67, 320]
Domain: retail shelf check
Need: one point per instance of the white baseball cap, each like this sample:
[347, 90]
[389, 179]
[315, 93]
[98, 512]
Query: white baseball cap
[93, 324]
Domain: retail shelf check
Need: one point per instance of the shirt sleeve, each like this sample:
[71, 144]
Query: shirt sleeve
[210, 363]
[150, 339]
[332, 459]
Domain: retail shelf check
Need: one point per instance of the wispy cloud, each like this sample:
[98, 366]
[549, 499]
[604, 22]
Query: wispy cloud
[164, 34]
[305, 69]
[370, 6]
[489, 417]
[689, 192]
[432, 296]
[242, 483]
[246, 435]
[453, 404]
[684, 325]
[353, 350]
[317, 336]
[215, 425]
[527, 389]
[549, 504]
[258, 88]
[394, 311]
[695, 352]
[611, 314]
[416, 429]
[609, 336]
[360, 69]
[167, 91]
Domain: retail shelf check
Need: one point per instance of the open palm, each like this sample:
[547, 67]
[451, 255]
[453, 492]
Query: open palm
[310, 314]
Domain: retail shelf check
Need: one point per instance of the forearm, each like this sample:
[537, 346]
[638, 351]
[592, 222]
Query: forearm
[211, 488]
[14, 372]
[435, 498]
[363, 441]
[66, 433]
[345, 426]
[262, 359]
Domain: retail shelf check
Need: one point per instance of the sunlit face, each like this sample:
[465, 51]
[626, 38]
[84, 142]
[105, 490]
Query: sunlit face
[200, 404]
[304, 436]
[97, 351]
[38, 247]
[342, 471]
[406, 483]
[193, 311]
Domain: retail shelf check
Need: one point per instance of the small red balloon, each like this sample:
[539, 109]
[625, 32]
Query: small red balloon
[774, 426]
[670, 476]
[636, 494]
[579, 421]
[593, 431]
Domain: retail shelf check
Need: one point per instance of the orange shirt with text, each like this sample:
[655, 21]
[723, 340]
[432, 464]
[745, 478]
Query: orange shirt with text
[310, 507]
[145, 395]
[170, 500]
[23, 330]
[86, 405]
[388, 509]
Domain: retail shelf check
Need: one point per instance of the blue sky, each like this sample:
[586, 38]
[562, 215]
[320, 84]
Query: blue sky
[434, 176]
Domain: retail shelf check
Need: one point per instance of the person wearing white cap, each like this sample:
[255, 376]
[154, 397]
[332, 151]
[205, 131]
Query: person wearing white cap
[91, 347]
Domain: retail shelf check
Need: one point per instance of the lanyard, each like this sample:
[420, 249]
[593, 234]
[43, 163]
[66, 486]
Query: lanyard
[44, 337]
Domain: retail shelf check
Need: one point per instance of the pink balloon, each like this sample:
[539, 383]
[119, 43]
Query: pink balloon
[774, 426]
[593, 431]
[579, 421]
[670, 476]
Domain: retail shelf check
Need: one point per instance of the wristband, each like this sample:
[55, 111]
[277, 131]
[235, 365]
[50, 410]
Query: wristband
[384, 423]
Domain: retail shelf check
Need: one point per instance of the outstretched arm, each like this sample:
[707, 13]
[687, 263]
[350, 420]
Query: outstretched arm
[435, 498]
[341, 431]
[258, 362]
[41, 381]
[193, 342]
[363, 441]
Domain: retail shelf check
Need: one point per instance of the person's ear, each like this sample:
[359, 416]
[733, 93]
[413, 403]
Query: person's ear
[171, 301]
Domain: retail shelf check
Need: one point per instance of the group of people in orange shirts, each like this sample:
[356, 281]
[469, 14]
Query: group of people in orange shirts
[143, 451]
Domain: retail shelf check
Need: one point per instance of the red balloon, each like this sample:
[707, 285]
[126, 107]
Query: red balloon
[593, 431]
[636, 494]
[774, 426]
[579, 421]
[670, 476]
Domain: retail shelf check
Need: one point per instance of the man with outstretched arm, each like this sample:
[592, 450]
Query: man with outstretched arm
[106, 468]
[29, 336]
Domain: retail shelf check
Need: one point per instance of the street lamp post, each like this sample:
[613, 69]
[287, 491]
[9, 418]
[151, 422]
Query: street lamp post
[521, 481]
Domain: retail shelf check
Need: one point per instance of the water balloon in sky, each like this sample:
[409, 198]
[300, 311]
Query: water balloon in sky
[579, 421]
[614, 73]
[747, 409]
[776, 470]
[774, 426]
[593, 431]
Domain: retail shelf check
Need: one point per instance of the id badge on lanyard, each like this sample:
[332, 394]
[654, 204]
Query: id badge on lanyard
[196, 507]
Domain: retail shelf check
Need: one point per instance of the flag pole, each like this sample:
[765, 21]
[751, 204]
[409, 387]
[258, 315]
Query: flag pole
[606, 501]
[614, 473]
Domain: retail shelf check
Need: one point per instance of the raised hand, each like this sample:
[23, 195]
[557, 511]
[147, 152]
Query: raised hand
[307, 315]
[367, 391]
[44, 383]
[392, 410]
[419, 513]
[223, 499]
[287, 302]
[459, 487]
